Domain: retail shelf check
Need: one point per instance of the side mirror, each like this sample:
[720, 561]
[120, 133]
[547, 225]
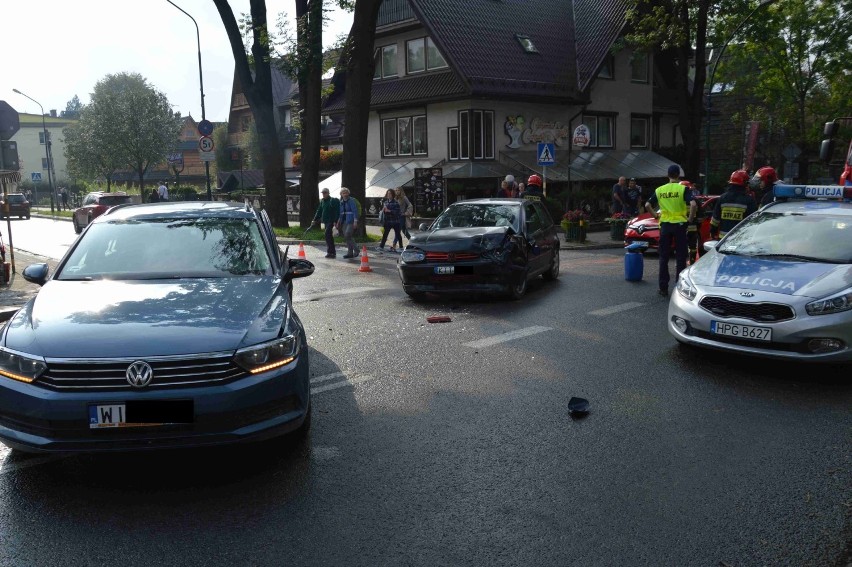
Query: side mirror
[710, 245]
[830, 129]
[36, 273]
[297, 268]
[826, 150]
[423, 227]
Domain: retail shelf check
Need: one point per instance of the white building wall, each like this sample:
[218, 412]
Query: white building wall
[31, 151]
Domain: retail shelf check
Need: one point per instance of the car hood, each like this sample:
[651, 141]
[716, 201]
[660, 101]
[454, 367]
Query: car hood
[110, 319]
[807, 279]
[645, 220]
[448, 239]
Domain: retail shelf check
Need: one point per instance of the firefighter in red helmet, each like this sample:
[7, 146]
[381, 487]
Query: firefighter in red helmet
[733, 206]
[534, 192]
[765, 179]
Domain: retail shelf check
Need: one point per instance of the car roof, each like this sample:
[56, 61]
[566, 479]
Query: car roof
[494, 201]
[811, 207]
[179, 209]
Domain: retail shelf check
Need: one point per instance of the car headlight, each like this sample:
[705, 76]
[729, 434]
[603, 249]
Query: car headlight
[685, 287]
[835, 304]
[20, 367]
[414, 255]
[266, 356]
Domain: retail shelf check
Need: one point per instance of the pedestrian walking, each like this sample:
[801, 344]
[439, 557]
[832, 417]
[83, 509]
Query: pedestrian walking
[63, 194]
[348, 222]
[407, 208]
[163, 191]
[154, 197]
[677, 209]
[618, 195]
[328, 213]
[505, 191]
[390, 220]
[632, 198]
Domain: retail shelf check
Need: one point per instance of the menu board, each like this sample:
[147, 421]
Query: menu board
[430, 196]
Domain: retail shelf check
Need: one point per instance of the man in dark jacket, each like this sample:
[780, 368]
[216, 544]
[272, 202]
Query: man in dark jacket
[328, 212]
[733, 206]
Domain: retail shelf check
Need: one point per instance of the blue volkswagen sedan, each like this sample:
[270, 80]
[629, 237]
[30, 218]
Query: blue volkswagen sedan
[165, 325]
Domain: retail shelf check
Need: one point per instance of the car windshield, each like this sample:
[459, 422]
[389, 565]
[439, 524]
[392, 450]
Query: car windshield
[113, 200]
[168, 248]
[480, 214]
[816, 237]
[16, 199]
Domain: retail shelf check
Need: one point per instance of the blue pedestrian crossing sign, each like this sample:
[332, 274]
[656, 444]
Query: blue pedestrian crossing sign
[546, 153]
[36, 177]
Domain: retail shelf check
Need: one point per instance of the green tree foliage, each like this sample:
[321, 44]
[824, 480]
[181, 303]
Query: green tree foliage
[73, 108]
[794, 59]
[223, 153]
[128, 124]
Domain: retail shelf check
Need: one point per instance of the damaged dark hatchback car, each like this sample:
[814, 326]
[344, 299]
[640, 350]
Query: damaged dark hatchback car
[492, 246]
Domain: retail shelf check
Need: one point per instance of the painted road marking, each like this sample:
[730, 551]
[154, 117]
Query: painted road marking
[616, 309]
[327, 377]
[338, 292]
[511, 335]
[349, 381]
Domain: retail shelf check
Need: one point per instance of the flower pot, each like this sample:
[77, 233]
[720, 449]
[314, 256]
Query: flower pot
[616, 229]
[574, 232]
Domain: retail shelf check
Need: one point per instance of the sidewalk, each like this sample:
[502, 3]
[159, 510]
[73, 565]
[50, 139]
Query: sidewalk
[18, 291]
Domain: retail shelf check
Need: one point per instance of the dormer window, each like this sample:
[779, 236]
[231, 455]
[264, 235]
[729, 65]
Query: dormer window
[422, 55]
[526, 43]
[385, 62]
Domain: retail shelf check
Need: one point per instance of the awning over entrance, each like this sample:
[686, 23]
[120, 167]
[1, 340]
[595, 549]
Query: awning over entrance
[594, 165]
[473, 169]
[381, 176]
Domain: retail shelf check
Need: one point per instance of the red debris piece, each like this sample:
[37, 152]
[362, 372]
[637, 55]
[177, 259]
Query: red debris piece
[439, 319]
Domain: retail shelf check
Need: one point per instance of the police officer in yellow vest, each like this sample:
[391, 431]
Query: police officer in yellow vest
[677, 210]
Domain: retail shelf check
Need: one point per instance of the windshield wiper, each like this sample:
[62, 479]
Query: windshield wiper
[800, 257]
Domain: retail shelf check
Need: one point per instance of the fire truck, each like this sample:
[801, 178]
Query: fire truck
[827, 149]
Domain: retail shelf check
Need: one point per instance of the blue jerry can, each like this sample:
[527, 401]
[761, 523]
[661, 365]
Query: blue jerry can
[634, 263]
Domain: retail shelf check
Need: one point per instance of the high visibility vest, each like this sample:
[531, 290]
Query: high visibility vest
[673, 208]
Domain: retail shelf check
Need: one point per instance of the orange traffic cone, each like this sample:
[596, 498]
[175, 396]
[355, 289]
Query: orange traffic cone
[301, 255]
[365, 261]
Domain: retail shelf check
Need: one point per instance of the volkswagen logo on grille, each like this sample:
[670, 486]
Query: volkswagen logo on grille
[139, 374]
[746, 294]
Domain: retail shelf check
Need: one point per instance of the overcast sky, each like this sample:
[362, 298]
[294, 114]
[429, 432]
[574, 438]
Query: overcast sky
[58, 48]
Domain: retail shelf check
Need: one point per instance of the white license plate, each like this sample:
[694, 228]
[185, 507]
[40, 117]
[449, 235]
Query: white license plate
[107, 416]
[445, 269]
[747, 332]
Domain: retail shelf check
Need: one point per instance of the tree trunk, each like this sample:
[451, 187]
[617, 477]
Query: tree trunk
[691, 102]
[359, 81]
[258, 93]
[309, 26]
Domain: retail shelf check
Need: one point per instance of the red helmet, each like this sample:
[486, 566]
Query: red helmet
[767, 175]
[686, 183]
[534, 180]
[739, 177]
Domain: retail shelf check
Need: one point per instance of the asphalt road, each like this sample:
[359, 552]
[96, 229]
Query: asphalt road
[451, 444]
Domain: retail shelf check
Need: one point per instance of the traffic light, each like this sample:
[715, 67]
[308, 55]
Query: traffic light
[9, 155]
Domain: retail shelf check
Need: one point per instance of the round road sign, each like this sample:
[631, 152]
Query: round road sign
[205, 144]
[205, 127]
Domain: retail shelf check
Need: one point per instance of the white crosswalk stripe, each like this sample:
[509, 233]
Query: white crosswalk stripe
[511, 335]
[616, 309]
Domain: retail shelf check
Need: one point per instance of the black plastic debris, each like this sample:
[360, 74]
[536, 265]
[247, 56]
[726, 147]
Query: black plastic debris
[578, 406]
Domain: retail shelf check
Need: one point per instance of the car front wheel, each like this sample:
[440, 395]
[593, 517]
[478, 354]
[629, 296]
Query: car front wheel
[553, 272]
[77, 228]
[518, 289]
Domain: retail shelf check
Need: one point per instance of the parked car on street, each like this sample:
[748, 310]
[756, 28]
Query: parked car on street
[18, 206]
[164, 325]
[484, 246]
[778, 285]
[94, 205]
[645, 228]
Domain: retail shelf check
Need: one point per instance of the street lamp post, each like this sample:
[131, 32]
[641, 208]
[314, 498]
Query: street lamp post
[201, 83]
[46, 149]
[710, 90]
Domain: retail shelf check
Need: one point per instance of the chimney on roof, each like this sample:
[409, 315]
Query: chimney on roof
[53, 113]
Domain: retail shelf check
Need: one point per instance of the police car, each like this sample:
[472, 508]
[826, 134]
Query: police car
[778, 285]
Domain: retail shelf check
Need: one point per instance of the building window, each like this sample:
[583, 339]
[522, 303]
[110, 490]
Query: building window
[44, 163]
[453, 143]
[421, 144]
[41, 137]
[607, 70]
[600, 130]
[385, 62]
[638, 132]
[423, 55]
[474, 136]
[639, 67]
[526, 43]
[404, 136]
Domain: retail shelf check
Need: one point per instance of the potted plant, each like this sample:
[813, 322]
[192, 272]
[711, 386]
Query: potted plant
[617, 224]
[575, 223]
